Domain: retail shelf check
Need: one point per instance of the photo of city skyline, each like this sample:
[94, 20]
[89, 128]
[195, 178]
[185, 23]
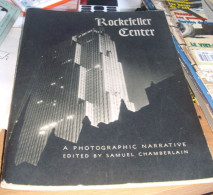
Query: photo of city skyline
[87, 80]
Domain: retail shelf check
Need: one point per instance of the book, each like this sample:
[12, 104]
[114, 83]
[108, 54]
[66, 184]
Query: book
[196, 84]
[197, 33]
[192, 30]
[100, 101]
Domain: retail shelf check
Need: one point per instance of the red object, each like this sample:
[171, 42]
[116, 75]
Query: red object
[83, 2]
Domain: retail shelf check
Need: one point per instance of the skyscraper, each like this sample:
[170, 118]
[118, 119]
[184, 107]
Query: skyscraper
[77, 78]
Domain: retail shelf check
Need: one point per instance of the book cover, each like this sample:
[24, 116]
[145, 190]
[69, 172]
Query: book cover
[100, 101]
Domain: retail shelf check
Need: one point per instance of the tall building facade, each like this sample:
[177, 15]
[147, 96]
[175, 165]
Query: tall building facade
[77, 78]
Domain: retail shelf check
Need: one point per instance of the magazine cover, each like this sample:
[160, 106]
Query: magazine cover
[100, 99]
[192, 28]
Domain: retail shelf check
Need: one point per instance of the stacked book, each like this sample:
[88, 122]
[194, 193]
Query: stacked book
[191, 24]
[93, 108]
[103, 104]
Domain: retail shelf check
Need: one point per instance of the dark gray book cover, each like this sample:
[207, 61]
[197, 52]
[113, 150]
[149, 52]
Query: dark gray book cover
[100, 99]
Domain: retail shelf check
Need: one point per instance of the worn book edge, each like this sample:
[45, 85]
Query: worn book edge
[11, 186]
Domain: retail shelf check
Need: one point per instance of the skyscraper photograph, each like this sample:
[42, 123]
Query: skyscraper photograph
[77, 78]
